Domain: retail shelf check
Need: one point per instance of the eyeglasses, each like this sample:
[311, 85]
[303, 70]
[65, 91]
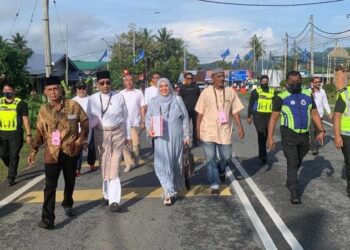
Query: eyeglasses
[189, 78]
[317, 82]
[102, 83]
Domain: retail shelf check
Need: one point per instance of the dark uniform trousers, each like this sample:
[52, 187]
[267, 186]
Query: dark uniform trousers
[261, 123]
[295, 147]
[91, 156]
[313, 134]
[10, 146]
[52, 172]
[192, 114]
[346, 153]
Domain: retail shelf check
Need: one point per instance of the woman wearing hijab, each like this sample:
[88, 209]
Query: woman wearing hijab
[168, 147]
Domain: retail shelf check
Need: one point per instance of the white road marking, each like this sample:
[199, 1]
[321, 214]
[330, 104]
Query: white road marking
[287, 234]
[253, 216]
[21, 191]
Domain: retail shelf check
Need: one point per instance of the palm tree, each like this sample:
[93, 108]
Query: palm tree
[165, 41]
[18, 41]
[2, 40]
[256, 44]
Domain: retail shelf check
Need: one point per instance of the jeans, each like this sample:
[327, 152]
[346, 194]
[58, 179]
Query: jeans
[214, 169]
[52, 173]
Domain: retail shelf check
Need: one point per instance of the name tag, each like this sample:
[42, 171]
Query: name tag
[56, 138]
[72, 117]
[223, 117]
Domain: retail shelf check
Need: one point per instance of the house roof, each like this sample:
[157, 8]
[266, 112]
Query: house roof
[36, 63]
[89, 65]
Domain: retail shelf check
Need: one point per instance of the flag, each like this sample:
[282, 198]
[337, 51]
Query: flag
[225, 54]
[236, 61]
[139, 57]
[103, 56]
[304, 56]
[249, 56]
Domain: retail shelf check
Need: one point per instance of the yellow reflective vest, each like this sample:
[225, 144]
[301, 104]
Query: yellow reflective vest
[345, 119]
[265, 100]
[8, 115]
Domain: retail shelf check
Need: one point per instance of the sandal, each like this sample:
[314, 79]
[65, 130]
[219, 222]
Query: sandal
[167, 201]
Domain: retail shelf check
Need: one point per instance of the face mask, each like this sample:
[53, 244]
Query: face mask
[8, 95]
[294, 88]
[264, 85]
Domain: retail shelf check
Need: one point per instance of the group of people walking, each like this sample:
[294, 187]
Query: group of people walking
[108, 124]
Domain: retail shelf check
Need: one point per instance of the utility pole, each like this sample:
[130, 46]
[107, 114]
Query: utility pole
[67, 57]
[285, 57]
[295, 55]
[184, 58]
[47, 43]
[312, 45]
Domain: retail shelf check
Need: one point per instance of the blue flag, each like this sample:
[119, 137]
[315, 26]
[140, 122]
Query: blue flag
[304, 56]
[103, 56]
[139, 57]
[236, 61]
[225, 54]
[249, 56]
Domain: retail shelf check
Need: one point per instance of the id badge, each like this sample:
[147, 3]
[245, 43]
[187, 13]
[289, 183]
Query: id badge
[55, 138]
[222, 117]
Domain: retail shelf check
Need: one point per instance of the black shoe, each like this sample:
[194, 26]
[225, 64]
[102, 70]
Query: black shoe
[222, 177]
[294, 197]
[104, 202]
[314, 152]
[69, 211]
[46, 225]
[238, 175]
[114, 207]
[194, 143]
[262, 160]
[348, 190]
[215, 191]
[12, 183]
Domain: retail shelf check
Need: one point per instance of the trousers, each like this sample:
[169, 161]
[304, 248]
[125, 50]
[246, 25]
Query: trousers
[10, 147]
[52, 173]
[261, 123]
[112, 190]
[346, 154]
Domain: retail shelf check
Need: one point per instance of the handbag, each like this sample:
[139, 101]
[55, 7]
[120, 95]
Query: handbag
[187, 165]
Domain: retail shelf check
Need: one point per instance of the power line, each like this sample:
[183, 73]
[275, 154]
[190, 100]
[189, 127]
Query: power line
[17, 14]
[331, 33]
[31, 18]
[270, 5]
[59, 26]
[295, 37]
[332, 38]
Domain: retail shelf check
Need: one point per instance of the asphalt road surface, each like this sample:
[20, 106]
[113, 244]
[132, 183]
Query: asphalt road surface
[252, 213]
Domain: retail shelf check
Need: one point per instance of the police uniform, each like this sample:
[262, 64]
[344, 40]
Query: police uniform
[11, 134]
[260, 106]
[295, 119]
[343, 106]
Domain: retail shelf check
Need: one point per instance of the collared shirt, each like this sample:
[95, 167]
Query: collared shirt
[134, 100]
[321, 101]
[150, 92]
[114, 110]
[211, 130]
[66, 122]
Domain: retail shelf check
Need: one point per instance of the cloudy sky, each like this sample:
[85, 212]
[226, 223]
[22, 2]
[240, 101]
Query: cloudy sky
[207, 29]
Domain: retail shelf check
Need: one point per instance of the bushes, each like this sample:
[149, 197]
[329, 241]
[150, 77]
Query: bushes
[331, 92]
[34, 102]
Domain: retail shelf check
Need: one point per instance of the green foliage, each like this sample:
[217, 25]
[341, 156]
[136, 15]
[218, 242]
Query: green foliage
[163, 53]
[331, 91]
[34, 102]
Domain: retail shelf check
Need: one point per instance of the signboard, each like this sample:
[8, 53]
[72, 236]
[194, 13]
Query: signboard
[238, 75]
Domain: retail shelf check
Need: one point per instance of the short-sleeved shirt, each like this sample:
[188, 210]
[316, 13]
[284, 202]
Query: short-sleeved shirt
[134, 100]
[190, 94]
[22, 110]
[340, 105]
[150, 92]
[211, 130]
[277, 103]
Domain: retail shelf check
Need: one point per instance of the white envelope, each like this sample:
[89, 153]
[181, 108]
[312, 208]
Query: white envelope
[157, 125]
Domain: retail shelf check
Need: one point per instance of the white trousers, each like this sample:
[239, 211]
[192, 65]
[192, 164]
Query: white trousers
[112, 190]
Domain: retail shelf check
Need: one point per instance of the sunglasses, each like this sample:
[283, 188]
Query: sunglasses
[102, 83]
[317, 82]
[189, 78]
[81, 88]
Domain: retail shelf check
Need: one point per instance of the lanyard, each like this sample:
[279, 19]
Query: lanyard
[103, 111]
[216, 100]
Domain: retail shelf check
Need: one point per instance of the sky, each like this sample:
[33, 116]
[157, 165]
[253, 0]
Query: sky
[207, 29]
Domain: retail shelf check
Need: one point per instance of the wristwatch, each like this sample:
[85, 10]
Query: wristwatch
[29, 135]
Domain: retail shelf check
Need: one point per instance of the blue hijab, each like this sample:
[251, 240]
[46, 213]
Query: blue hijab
[165, 101]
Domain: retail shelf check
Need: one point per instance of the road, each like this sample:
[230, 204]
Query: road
[253, 213]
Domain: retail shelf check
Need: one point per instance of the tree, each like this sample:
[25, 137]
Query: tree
[17, 41]
[256, 44]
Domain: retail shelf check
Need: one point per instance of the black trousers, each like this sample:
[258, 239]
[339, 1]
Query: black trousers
[193, 116]
[346, 153]
[295, 147]
[10, 146]
[91, 156]
[261, 123]
[52, 172]
[313, 134]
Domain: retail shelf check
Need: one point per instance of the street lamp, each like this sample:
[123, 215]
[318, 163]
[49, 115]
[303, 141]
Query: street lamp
[107, 46]
[133, 34]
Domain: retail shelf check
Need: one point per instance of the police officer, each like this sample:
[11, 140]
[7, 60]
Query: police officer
[341, 127]
[259, 110]
[13, 115]
[298, 108]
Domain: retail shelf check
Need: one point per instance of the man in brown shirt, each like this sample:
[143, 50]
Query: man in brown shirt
[57, 128]
[217, 107]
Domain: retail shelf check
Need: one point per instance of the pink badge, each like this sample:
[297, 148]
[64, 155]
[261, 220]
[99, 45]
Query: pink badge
[55, 138]
[222, 117]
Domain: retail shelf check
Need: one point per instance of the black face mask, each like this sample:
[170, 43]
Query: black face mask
[264, 85]
[294, 88]
[8, 95]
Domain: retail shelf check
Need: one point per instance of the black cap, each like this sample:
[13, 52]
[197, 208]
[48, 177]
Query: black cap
[52, 80]
[81, 85]
[103, 75]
